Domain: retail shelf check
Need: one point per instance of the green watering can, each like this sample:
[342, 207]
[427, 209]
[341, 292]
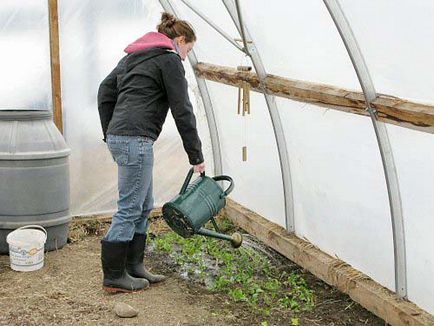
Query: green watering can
[196, 204]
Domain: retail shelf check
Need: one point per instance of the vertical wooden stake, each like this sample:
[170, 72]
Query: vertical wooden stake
[248, 98]
[244, 153]
[244, 97]
[55, 64]
[239, 100]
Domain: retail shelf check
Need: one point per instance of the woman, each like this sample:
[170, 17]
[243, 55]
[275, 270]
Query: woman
[133, 101]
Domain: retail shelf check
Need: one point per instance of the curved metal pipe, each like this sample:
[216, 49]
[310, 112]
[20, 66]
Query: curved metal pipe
[251, 49]
[214, 26]
[243, 35]
[385, 148]
[203, 89]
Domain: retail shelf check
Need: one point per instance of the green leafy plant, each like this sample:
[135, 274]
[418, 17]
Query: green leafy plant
[244, 274]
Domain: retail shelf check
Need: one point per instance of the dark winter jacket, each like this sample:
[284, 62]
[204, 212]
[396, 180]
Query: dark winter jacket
[135, 97]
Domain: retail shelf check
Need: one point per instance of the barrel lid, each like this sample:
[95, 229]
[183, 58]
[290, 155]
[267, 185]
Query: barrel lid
[25, 114]
[30, 135]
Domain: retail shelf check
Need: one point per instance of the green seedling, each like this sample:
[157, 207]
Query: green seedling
[243, 274]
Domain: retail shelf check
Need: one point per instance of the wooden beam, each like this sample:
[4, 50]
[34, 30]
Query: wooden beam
[55, 64]
[371, 295]
[390, 109]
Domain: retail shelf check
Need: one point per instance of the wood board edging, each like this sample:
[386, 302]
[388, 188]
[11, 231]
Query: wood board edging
[107, 217]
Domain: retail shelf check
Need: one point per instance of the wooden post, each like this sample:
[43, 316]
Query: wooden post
[55, 64]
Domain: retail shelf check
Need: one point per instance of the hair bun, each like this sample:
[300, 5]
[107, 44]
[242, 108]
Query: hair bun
[168, 19]
[173, 27]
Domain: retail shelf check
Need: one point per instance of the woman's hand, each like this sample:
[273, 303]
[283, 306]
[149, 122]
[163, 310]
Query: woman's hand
[199, 168]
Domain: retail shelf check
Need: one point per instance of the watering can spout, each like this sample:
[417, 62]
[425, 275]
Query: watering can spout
[236, 238]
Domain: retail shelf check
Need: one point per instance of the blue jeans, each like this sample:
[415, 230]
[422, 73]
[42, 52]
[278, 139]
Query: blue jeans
[134, 156]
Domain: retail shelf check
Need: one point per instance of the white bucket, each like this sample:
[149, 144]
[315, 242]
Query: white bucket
[26, 248]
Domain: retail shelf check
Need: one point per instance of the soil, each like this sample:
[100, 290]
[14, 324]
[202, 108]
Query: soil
[67, 291]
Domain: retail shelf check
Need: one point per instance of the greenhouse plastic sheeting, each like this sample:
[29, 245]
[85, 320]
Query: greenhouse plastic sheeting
[396, 38]
[25, 81]
[299, 42]
[340, 195]
[414, 156]
[258, 180]
[211, 46]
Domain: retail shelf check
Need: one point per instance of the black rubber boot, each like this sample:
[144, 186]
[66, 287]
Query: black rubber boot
[135, 266]
[116, 278]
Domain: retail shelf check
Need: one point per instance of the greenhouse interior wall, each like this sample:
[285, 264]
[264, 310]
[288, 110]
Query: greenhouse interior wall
[340, 197]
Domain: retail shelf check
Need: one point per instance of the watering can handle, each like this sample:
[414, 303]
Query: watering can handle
[218, 178]
[226, 178]
[187, 181]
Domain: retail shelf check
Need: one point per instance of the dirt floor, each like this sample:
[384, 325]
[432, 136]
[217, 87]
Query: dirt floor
[67, 291]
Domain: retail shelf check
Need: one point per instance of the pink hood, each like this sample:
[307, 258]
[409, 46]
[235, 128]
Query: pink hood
[150, 40]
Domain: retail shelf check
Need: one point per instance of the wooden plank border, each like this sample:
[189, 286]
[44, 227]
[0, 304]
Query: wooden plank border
[390, 109]
[371, 295]
[55, 64]
[107, 217]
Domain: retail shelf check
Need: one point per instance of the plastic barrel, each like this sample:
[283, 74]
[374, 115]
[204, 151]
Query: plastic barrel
[34, 176]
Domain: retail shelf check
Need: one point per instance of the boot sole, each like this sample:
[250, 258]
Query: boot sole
[120, 290]
[150, 282]
[144, 277]
[157, 282]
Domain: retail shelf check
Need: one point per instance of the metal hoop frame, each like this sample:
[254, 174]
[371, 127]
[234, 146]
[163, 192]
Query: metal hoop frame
[359, 64]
